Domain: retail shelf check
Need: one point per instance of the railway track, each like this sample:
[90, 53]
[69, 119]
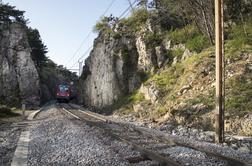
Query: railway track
[152, 146]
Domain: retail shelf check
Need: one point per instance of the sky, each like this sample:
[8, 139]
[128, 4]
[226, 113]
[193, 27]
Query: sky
[66, 26]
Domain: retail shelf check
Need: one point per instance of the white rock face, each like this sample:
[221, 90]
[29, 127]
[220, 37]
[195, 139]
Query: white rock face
[18, 75]
[144, 60]
[114, 68]
[109, 72]
[150, 92]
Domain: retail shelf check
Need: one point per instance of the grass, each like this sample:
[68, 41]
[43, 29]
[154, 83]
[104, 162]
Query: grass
[177, 53]
[190, 36]
[197, 43]
[238, 41]
[239, 95]
[127, 101]
[182, 35]
[170, 80]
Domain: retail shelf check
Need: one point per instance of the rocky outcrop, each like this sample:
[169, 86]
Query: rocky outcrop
[110, 71]
[146, 60]
[116, 65]
[19, 81]
[150, 92]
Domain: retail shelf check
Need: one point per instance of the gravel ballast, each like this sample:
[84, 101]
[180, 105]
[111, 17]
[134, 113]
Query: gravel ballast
[9, 136]
[193, 138]
[57, 139]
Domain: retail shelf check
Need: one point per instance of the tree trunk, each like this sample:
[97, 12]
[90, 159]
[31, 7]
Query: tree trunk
[243, 24]
[206, 23]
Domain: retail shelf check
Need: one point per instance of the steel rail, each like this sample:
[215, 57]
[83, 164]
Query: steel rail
[231, 161]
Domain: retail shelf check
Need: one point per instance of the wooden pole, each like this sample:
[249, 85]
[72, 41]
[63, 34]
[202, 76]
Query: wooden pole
[219, 112]
[223, 71]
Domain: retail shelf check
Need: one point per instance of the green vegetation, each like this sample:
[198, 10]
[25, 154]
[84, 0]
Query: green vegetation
[105, 25]
[193, 39]
[134, 23]
[153, 39]
[8, 14]
[144, 76]
[190, 24]
[7, 112]
[176, 53]
[112, 25]
[197, 43]
[239, 39]
[39, 50]
[49, 73]
[127, 101]
[182, 35]
[239, 95]
[125, 55]
[166, 79]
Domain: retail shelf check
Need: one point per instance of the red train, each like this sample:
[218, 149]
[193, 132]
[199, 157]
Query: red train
[63, 93]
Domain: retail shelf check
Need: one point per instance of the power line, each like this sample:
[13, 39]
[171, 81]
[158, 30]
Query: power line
[110, 5]
[82, 43]
[90, 32]
[86, 52]
[122, 14]
[127, 9]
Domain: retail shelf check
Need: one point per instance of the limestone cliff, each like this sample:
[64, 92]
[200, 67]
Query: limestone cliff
[116, 67]
[110, 71]
[19, 80]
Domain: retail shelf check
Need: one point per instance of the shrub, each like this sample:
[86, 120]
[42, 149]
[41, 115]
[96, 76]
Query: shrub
[197, 43]
[136, 20]
[153, 39]
[182, 35]
[177, 53]
[237, 39]
[189, 35]
[106, 24]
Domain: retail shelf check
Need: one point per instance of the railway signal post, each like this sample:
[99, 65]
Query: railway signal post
[219, 110]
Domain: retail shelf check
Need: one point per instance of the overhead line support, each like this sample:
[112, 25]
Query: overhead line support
[219, 110]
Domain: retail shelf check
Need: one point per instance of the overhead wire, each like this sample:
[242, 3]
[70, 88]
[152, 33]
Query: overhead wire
[123, 13]
[82, 43]
[126, 11]
[86, 38]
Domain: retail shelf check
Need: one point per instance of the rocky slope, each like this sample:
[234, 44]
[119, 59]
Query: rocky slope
[19, 80]
[172, 77]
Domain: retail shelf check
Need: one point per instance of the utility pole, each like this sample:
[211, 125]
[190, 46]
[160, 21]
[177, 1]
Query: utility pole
[219, 112]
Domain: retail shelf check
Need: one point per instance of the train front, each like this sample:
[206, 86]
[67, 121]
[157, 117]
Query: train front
[63, 93]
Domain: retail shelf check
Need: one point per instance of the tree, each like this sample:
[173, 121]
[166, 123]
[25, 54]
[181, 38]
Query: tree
[106, 24]
[39, 50]
[237, 11]
[9, 14]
